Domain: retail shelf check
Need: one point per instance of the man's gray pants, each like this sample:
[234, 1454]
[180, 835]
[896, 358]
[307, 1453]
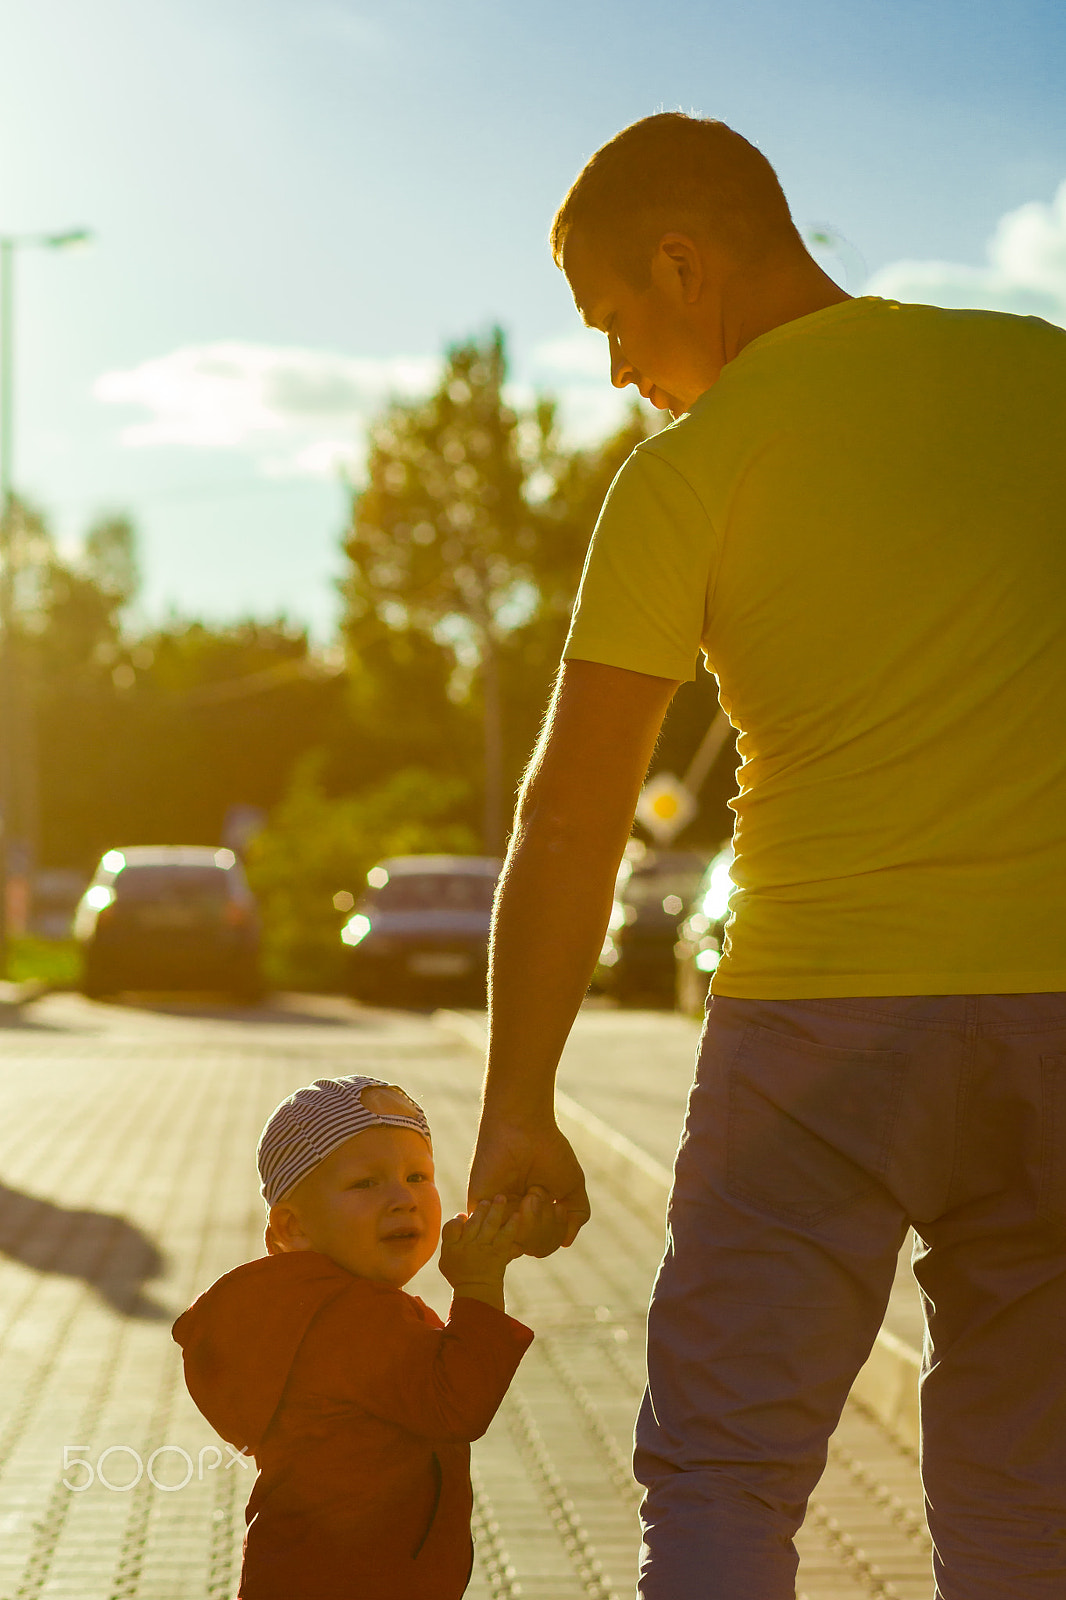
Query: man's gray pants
[817, 1130]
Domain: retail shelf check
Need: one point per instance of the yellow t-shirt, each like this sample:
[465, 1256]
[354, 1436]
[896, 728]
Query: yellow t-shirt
[863, 526]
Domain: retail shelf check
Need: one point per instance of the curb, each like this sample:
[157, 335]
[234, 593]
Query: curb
[887, 1386]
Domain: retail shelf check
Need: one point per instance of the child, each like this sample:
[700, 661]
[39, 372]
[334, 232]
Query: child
[356, 1401]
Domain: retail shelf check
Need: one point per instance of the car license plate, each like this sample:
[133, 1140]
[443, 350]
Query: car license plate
[439, 964]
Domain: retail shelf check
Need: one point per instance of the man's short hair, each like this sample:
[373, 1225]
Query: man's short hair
[673, 171]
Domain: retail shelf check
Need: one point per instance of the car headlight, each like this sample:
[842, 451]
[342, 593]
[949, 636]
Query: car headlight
[716, 901]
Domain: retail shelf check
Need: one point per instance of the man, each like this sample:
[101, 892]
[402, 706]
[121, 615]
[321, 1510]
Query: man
[860, 518]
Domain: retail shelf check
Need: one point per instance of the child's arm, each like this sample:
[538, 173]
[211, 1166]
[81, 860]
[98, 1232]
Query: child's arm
[377, 1348]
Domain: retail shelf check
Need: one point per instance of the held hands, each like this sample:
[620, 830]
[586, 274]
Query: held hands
[534, 1160]
[542, 1223]
[538, 1202]
[475, 1249]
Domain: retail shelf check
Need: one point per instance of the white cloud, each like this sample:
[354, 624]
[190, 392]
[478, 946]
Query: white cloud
[305, 412]
[581, 354]
[1026, 270]
[299, 411]
[576, 369]
[590, 413]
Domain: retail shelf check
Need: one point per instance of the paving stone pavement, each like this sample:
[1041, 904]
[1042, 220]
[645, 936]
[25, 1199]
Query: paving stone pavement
[127, 1137]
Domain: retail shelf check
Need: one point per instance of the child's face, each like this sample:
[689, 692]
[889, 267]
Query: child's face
[372, 1207]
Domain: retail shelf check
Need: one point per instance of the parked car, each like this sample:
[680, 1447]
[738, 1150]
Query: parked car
[169, 917]
[651, 897]
[420, 933]
[702, 935]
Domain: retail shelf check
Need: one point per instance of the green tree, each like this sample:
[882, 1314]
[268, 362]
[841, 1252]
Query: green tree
[66, 630]
[403, 707]
[110, 557]
[203, 718]
[150, 738]
[443, 537]
[318, 845]
[572, 484]
[466, 548]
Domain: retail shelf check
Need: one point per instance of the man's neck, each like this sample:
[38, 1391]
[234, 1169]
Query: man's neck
[778, 295]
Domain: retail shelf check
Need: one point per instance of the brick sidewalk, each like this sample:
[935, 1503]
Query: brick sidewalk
[127, 1139]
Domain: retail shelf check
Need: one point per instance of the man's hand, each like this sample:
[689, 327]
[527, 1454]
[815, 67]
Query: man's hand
[531, 1160]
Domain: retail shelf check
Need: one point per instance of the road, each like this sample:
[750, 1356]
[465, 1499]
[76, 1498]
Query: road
[127, 1139]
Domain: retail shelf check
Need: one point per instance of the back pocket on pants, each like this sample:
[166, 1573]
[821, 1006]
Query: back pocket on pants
[810, 1125]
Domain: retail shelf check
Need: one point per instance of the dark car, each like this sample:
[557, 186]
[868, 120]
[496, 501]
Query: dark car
[169, 917]
[421, 930]
[702, 934]
[651, 897]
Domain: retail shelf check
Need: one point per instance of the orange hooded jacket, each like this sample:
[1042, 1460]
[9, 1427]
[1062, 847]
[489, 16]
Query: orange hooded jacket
[358, 1405]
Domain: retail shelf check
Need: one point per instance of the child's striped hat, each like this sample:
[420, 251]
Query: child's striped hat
[307, 1127]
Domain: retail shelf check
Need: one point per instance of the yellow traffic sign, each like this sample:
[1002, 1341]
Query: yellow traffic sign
[665, 806]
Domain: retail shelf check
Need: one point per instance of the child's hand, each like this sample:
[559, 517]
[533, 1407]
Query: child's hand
[475, 1250]
[541, 1223]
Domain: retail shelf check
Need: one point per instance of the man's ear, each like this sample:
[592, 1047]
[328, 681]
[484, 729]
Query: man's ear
[285, 1231]
[678, 266]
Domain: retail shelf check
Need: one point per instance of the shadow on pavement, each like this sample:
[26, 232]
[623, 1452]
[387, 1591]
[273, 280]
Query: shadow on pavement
[107, 1252]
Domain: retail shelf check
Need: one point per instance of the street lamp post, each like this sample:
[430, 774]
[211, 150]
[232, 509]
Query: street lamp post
[10, 244]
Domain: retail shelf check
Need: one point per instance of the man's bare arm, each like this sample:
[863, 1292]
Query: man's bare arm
[574, 817]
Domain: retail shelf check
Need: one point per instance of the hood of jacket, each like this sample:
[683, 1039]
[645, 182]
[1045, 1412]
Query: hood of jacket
[240, 1338]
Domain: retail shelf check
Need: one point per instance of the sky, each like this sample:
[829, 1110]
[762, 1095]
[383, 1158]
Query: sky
[297, 204]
